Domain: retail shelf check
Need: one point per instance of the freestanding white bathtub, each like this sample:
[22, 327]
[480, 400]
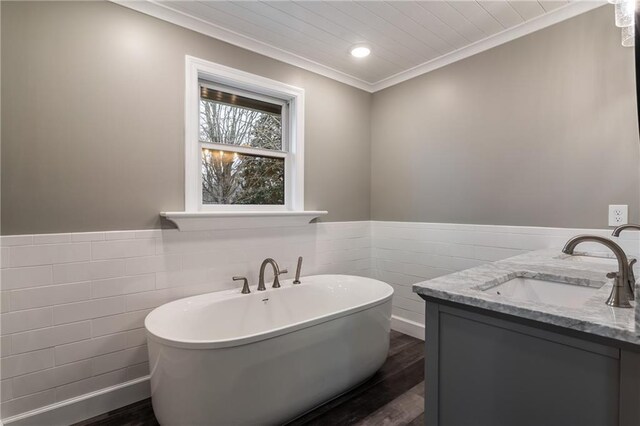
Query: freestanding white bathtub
[264, 358]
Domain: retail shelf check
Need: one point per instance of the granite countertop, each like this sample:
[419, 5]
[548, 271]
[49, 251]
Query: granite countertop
[594, 316]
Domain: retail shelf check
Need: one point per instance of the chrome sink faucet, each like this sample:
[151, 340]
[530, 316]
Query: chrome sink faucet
[276, 272]
[620, 294]
[618, 229]
[632, 278]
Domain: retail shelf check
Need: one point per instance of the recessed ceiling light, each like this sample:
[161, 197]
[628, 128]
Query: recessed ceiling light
[360, 51]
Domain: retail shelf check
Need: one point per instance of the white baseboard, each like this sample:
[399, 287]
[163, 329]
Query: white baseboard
[85, 406]
[403, 325]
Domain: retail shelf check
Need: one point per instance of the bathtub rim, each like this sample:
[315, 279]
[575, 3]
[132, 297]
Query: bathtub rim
[256, 337]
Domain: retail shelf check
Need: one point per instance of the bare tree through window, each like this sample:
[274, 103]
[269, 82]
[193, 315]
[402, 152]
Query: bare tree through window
[234, 178]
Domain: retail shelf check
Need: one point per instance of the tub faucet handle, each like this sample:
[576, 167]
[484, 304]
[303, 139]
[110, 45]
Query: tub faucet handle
[276, 277]
[245, 286]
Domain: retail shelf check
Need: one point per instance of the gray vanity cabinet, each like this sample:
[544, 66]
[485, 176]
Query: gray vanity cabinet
[484, 368]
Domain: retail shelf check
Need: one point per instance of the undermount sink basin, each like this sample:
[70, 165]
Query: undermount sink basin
[592, 259]
[543, 291]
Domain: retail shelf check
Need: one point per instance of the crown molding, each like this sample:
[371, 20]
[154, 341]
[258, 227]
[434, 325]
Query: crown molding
[563, 13]
[166, 13]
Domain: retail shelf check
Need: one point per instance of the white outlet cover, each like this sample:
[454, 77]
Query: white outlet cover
[618, 214]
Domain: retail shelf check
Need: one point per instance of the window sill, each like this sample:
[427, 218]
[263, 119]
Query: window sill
[202, 221]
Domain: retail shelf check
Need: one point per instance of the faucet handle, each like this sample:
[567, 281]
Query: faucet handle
[612, 275]
[276, 280]
[245, 286]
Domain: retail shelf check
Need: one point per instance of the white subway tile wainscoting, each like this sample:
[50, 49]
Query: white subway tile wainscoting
[73, 305]
[405, 253]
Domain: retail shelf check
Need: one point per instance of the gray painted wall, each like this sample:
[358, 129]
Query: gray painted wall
[541, 131]
[93, 113]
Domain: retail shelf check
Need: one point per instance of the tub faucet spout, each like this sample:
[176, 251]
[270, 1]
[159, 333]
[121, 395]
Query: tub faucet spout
[276, 272]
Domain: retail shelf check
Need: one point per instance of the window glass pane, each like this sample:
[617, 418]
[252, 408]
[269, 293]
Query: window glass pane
[234, 178]
[234, 120]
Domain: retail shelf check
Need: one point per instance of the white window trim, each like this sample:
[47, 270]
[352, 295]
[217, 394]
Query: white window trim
[197, 69]
[194, 217]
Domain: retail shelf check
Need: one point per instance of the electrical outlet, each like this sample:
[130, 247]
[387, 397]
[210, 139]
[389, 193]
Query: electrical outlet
[618, 214]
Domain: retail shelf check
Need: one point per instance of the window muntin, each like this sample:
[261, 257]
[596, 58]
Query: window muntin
[243, 144]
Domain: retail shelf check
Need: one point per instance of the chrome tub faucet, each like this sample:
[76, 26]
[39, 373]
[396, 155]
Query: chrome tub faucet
[621, 293]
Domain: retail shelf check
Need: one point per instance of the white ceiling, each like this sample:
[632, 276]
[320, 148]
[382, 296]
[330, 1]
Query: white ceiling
[407, 38]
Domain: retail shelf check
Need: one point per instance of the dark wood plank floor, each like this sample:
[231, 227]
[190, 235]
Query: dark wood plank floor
[393, 396]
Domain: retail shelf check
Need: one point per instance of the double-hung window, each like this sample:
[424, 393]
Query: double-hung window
[244, 141]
